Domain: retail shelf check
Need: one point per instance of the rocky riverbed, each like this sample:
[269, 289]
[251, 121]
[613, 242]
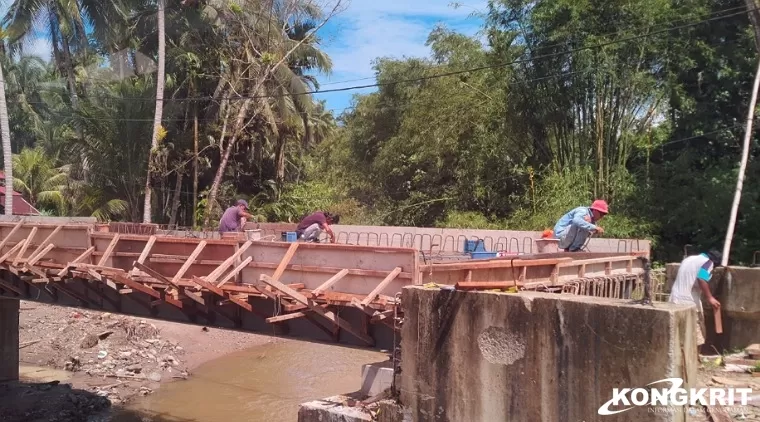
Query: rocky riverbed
[108, 360]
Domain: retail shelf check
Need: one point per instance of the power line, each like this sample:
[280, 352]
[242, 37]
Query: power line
[559, 44]
[445, 74]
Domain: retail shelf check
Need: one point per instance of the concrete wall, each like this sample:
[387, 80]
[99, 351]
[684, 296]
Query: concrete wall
[481, 356]
[738, 292]
[9, 309]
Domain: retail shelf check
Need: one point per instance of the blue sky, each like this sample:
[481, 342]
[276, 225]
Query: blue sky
[369, 29]
[363, 31]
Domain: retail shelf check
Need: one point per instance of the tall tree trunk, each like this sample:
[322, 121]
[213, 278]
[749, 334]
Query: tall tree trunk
[175, 201]
[238, 128]
[279, 158]
[195, 158]
[742, 168]
[159, 108]
[5, 132]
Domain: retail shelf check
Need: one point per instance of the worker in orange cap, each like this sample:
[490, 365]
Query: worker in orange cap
[574, 228]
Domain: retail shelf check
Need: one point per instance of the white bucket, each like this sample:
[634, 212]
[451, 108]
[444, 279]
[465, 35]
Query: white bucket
[253, 234]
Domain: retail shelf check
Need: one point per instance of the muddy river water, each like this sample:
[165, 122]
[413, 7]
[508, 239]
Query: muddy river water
[265, 383]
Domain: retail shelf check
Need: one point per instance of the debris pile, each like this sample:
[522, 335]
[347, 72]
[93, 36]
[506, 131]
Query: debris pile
[120, 355]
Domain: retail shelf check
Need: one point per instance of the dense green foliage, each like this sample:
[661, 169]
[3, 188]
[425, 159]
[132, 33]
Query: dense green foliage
[638, 102]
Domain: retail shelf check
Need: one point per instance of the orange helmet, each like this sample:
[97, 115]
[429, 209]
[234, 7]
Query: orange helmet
[601, 206]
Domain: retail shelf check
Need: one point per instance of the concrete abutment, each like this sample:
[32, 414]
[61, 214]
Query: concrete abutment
[486, 356]
[9, 309]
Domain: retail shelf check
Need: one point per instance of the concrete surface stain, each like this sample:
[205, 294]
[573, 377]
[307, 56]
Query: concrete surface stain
[501, 347]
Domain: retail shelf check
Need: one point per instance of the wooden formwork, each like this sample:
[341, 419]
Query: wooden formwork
[244, 284]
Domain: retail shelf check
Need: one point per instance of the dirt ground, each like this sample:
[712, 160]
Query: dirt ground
[108, 359]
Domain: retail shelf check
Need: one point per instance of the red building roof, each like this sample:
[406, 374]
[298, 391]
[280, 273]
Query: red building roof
[20, 206]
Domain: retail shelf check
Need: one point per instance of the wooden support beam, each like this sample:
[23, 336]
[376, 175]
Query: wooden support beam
[327, 284]
[145, 252]
[156, 275]
[11, 252]
[211, 278]
[125, 291]
[190, 260]
[37, 256]
[13, 231]
[109, 250]
[219, 292]
[237, 270]
[134, 285]
[316, 308]
[285, 261]
[86, 254]
[294, 315]
[99, 277]
[47, 240]
[380, 316]
[25, 245]
[383, 284]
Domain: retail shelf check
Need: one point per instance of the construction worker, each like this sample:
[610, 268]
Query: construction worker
[234, 217]
[574, 228]
[311, 226]
[691, 281]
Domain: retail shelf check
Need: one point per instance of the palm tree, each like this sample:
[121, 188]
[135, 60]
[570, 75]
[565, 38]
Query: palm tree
[5, 132]
[38, 178]
[157, 128]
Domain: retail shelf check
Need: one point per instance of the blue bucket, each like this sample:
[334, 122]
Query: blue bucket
[483, 255]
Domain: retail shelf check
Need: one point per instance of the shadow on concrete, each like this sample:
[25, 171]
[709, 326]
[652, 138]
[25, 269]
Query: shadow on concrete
[29, 401]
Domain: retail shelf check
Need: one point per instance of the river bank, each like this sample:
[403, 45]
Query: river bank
[108, 359]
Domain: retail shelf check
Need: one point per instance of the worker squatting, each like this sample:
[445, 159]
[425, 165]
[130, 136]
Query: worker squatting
[692, 281]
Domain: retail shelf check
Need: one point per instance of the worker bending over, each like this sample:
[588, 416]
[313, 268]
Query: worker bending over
[311, 227]
[691, 281]
[234, 217]
[574, 228]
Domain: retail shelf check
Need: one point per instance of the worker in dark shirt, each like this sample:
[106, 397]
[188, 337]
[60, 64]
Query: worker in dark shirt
[312, 226]
[234, 217]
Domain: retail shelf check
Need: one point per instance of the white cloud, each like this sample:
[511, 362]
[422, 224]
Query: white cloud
[370, 29]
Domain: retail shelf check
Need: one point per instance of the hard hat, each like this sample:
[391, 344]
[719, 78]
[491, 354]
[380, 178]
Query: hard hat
[601, 206]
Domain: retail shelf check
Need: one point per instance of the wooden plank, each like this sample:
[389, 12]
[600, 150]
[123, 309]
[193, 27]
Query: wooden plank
[219, 292]
[47, 240]
[86, 254]
[11, 252]
[36, 257]
[288, 317]
[718, 322]
[109, 250]
[604, 260]
[485, 285]
[26, 243]
[327, 284]
[496, 263]
[99, 277]
[237, 269]
[13, 231]
[340, 322]
[190, 260]
[285, 261]
[383, 284]
[134, 285]
[156, 275]
[211, 278]
[145, 252]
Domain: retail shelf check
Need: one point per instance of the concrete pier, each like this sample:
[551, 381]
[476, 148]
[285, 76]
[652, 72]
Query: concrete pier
[9, 309]
[738, 291]
[483, 356]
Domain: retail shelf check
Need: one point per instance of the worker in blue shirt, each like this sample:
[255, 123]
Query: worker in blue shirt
[574, 228]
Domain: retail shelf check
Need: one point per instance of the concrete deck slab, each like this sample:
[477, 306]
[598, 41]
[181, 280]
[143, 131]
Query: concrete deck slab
[481, 356]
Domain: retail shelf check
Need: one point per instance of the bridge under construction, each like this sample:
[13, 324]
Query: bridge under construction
[348, 294]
